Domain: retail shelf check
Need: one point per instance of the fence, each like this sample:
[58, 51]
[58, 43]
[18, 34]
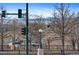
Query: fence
[56, 49]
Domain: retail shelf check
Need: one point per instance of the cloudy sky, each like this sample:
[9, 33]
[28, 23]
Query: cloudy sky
[44, 9]
[13, 7]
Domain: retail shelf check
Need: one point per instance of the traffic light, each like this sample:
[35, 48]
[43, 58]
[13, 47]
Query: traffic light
[3, 13]
[19, 13]
[23, 31]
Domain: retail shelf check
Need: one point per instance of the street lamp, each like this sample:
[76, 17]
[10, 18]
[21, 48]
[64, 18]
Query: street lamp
[40, 31]
[40, 50]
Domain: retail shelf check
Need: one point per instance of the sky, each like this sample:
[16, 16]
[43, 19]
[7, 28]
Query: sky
[43, 9]
[13, 7]
[46, 9]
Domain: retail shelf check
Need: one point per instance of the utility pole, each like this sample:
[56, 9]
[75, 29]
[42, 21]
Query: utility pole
[27, 43]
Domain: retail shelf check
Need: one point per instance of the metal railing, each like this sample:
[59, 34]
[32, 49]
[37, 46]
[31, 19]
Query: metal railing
[54, 50]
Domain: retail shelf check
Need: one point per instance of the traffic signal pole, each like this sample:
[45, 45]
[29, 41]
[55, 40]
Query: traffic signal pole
[2, 15]
[1, 33]
[27, 43]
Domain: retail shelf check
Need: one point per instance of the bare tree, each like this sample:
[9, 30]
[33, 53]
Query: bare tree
[63, 22]
[34, 26]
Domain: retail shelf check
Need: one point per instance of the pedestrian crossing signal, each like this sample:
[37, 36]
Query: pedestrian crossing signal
[23, 31]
